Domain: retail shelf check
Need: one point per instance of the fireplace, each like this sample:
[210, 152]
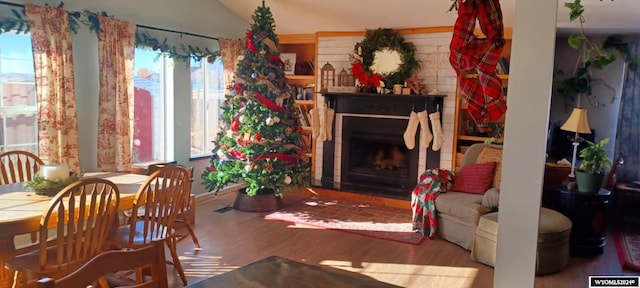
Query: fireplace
[368, 154]
[374, 155]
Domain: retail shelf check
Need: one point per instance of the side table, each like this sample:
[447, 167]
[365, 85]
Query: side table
[625, 201]
[554, 175]
[588, 214]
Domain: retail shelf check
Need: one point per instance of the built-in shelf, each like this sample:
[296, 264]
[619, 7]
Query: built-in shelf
[304, 48]
[500, 76]
[304, 102]
[472, 138]
[310, 78]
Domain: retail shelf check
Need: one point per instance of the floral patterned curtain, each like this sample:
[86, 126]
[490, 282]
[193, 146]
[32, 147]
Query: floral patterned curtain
[230, 50]
[115, 105]
[628, 134]
[55, 90]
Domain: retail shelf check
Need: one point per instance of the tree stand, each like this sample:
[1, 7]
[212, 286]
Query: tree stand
[264, 201]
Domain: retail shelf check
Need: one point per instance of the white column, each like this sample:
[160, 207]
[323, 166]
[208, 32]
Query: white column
[528, 103]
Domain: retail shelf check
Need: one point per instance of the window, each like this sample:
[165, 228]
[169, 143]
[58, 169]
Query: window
[153, 107]
[18, 108]
[207, 93]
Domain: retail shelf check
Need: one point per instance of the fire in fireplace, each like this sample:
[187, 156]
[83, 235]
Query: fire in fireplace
[386, 157]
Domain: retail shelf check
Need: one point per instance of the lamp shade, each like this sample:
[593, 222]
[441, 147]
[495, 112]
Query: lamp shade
[577, 122]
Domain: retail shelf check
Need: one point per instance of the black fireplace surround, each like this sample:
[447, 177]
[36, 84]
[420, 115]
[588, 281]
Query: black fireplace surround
[375, 160]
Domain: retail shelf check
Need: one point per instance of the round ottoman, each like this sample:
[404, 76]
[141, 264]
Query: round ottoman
[553, 241]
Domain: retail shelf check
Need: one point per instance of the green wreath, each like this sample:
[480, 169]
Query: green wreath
[381, 38]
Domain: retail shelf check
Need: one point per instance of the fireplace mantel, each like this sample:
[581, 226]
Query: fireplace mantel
[376, 107]
[382, 104]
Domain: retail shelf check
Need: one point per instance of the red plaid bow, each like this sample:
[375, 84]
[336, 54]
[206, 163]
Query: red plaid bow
[470, 54]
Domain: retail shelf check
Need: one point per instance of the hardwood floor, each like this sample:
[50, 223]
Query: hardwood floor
[233, 238]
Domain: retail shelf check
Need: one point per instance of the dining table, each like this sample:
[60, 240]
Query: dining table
[21, 211]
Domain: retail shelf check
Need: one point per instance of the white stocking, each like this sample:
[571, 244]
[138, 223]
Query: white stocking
[425, 132]
[315, 123]
[328, 120]
[437, 131]
[322, 132]
[410, 134]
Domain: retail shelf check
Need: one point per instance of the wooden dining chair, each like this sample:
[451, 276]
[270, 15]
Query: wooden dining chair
[157, 203]
[108, 262]
[73, 229]
[18, 166]
[187, 215]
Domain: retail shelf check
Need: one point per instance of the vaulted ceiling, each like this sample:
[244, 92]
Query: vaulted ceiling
[310, 16]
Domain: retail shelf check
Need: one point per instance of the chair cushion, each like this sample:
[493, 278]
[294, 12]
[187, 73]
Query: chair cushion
[466, 207]
[474, 178]
[489, 154]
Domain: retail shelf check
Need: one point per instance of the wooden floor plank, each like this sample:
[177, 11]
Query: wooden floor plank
[233, 238]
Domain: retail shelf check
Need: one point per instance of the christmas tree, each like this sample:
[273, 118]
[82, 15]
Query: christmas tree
[260, 141]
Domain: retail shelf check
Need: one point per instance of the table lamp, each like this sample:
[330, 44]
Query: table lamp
[577, 123]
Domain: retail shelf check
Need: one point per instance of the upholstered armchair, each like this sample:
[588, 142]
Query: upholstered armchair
[459, 209]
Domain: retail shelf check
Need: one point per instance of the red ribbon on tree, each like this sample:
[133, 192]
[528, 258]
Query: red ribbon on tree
[268, 103]
[282, 157]
[275, 60]
[238, 88]
[250, 45]
[235, 125]
[238, 155]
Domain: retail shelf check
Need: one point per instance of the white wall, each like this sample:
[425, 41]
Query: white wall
[336, 50]
[203, 17]
[607, 88]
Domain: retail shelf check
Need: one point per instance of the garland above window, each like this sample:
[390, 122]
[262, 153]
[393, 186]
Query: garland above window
[19, 24]
[143, 39]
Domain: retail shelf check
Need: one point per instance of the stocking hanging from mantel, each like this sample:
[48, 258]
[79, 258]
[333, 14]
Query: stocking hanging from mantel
[470, 55]
[321, 122]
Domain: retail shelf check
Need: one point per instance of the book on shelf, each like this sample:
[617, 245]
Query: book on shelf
[308, 115]
[499, 70]
[302, 115]
[306, 143]
[503, 64]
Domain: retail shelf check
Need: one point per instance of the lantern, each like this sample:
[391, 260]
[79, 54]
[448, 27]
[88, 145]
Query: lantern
[327, 77]
[344, 78]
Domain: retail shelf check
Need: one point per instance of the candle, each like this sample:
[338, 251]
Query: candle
[54, 172]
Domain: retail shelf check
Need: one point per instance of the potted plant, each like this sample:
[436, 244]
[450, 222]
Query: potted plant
[592, 168]
[260, 140]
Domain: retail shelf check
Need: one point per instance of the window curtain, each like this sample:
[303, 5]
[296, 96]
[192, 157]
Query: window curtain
[628, 135]
[116, 46]
[55, 90]
[230, 50]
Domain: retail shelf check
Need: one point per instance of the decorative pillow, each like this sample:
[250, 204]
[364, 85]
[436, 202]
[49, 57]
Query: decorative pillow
[492, 155]
[474, 178]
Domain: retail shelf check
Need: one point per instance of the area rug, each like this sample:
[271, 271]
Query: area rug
[277, 272]
[628, 247]
[380, 222]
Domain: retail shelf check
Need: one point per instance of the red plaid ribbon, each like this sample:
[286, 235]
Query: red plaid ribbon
[470, 54]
